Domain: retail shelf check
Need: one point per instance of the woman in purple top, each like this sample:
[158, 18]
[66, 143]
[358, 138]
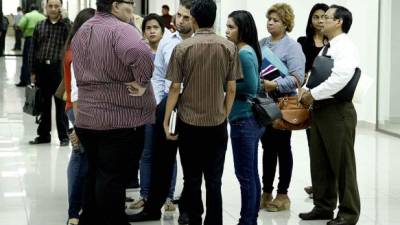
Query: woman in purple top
[110, 57]
[276, 143]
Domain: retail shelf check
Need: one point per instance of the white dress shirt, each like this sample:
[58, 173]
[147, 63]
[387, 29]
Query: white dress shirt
[345, 61]
[163, 55]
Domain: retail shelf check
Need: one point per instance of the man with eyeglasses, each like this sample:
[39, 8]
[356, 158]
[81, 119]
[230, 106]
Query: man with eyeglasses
[332, 158]
[110, 59]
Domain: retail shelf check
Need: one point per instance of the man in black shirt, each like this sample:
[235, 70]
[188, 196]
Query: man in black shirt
[45, 60]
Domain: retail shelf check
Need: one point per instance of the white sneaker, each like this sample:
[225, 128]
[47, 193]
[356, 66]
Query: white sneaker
[139, 204]
[73, 221]
[169, 209]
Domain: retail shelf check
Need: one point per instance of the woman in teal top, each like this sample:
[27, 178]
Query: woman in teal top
[245, 131]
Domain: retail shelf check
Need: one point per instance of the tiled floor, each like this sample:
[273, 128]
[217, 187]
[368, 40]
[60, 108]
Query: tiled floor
[33, 178]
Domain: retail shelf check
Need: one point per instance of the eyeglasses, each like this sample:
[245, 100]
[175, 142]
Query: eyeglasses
[127, 2]
[329, 17]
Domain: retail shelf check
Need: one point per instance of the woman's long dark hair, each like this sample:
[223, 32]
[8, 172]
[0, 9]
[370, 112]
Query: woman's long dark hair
[83, 16]
[310, 30]
[247, 31]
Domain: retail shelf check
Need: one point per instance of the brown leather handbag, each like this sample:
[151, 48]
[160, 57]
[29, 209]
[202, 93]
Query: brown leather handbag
[295, 115]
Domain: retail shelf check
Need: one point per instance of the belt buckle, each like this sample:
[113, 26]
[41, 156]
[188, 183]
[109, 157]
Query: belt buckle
[47, 61]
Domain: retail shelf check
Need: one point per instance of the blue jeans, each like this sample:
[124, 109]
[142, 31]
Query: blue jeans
[76, 173]
[245, 134]
[146, 163]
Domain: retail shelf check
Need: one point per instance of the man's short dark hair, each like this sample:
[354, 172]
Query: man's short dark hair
[186, 3]
[204, 12]
[19, 9]
[165, 7]
[343, 14]
[104, 5]
[59, 0]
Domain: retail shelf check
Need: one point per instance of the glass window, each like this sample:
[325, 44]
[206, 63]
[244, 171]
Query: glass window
[388, 114]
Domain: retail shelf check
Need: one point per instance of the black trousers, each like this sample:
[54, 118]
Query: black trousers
[18, 38]
[110, 155]
[48, 80]
[164, 157]
[25, 70]
[202, 151]
[3, 42]
[333, 165]
[276, 145]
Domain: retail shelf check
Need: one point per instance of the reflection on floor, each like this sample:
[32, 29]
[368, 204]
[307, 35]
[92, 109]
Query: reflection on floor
[33, 178]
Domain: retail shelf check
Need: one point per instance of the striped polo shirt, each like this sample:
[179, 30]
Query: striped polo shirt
[204, 64]
[107, 53]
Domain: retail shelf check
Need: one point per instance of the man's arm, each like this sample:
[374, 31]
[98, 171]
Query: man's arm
[158, 78]
[172, 100]
[22, 23]
[229, 97]
[134, 52]
[32, 53]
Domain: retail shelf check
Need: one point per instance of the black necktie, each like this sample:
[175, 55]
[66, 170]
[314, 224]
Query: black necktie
[325, 50]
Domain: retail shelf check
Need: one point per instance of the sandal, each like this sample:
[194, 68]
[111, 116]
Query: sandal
[280, 203]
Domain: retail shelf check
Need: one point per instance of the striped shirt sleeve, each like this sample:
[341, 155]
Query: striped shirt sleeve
[134, 53]
[235, 72]
[174, 72]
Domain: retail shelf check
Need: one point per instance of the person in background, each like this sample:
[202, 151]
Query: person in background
[78, 165]
[163, 167]
[110, 59]
[17, 30]
[48, 42]
[4, 27]
[27, 25]
[205, 64]
[136, 20]
[312, 44]
[153, 30]
[245, 130]
[333, 129]
[166, 16]
[276, 143]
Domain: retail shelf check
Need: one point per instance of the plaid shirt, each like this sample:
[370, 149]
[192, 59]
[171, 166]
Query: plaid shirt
[48, 42]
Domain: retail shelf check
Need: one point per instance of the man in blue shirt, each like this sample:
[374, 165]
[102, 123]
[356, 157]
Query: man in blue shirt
[17, 30]
[164, 155]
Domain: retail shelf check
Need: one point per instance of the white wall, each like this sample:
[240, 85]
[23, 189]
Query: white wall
[363, 32]
[155, 6]
[395, 55]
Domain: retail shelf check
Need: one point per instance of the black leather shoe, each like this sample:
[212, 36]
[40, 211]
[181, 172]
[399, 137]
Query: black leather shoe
[144, 216]
[317, 214]
[64, 142]
[39, 140]
[339, 221]
[183, 218]
[21, 84]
